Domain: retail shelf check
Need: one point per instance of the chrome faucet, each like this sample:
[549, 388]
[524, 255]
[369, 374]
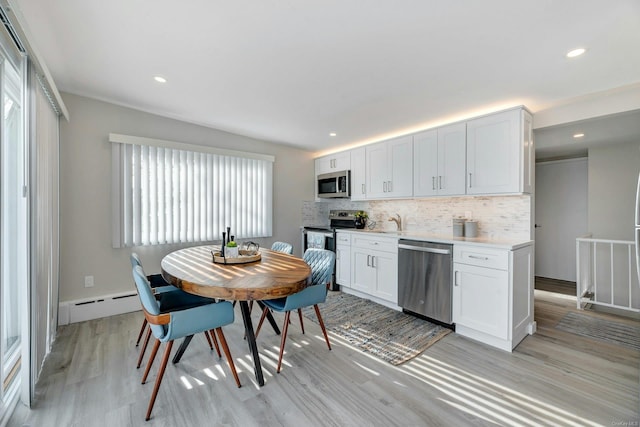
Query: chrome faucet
[398, 221]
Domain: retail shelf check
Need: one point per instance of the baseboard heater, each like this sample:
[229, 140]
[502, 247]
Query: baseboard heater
[95, 308]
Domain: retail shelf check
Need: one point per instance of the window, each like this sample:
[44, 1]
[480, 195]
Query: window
[13, 219]
[178, 193]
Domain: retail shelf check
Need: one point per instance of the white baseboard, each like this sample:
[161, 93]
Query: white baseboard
[97, 307]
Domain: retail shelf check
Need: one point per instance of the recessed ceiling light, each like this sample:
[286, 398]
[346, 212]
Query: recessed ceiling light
[332, 134]
[160, 79]
[578, 135]
[576, 52]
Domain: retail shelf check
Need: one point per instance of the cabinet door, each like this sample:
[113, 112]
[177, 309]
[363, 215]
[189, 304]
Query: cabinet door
[493, 154]
[452, 156]
[481, 299]
[341, 161]
[333, 163]
[377, 170]
[323, 165]
[358, 174]
[400, 154]
[386, 271]
[425, 163]
[343, 265]
[528, 161]
[362, 274]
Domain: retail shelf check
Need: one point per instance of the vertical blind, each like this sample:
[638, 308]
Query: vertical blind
[169, 195]
[45, 227]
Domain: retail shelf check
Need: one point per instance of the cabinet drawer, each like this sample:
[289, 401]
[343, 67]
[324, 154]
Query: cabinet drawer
[377, 243]
[481, 257]
[343, 238]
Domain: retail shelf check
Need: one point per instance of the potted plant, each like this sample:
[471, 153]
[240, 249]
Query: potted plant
[361, 219]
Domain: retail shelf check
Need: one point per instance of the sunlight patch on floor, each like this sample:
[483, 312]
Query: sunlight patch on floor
[371, 371]
[487, 398]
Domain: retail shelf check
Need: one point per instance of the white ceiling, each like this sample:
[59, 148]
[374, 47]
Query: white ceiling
[293, 71]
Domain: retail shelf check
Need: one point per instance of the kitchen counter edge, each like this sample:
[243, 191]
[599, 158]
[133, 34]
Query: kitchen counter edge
[426, 237]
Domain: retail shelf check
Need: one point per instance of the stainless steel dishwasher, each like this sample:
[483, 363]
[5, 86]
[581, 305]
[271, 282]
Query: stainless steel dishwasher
[425, 270]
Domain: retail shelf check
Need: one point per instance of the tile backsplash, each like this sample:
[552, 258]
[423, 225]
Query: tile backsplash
[499, 217]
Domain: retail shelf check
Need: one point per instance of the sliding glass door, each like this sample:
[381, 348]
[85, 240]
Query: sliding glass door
[13, 224]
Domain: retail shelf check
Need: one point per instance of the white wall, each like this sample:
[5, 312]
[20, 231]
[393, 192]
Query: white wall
[613, 176]
[85, 193]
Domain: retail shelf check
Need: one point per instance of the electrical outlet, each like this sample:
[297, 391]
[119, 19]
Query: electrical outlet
[88, 281]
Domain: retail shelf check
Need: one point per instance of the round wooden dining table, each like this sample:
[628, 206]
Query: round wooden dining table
[276, 275]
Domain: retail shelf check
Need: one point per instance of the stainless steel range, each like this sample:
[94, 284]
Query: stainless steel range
[324, 237]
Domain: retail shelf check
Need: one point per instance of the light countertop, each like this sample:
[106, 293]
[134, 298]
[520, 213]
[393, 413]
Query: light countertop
[428, 237]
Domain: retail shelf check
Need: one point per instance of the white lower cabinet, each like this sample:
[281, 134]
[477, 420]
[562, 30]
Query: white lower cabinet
[374, 266]
[493, 294]
[343, 259]
[481, 299]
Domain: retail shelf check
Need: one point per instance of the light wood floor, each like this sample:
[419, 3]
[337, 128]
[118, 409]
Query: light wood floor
[555, 285]
[552, 378]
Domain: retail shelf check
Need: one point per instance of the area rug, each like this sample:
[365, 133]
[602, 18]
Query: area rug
[390, 335]
[600, 329]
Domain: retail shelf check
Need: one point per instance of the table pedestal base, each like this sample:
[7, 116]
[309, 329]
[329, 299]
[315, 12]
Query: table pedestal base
[251, 340]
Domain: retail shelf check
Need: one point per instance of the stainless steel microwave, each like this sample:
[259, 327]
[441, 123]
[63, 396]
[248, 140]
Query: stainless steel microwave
[334, 185]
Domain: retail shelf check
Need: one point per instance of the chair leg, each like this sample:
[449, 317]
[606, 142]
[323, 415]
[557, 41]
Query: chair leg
[156, 387]
[285, 328]
[206, 334]
[264, 316]
[215, 341]
[324, 330]
[152, 356]
[300, 316]
[227, 354]
[144, 347]
[144, 324]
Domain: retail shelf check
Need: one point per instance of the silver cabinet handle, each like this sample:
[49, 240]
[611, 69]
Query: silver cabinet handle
[455, 278]
[389, 188]
[470, 174]
[373, 261]
[440, 182]
[368, 260]
[433, 182]
[483, 258]
[384, 187]
[362, 188]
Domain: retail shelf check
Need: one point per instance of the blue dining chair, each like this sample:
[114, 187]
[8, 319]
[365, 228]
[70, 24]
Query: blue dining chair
[170, 298]
[167, 327]
[158, 284]
[284, 247]
[321, 262]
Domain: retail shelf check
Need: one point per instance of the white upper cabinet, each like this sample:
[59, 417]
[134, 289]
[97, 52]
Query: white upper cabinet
[333, 163]
[493, 154]
[499, 153]
[439, 161]
[389, 169]
[358, 174]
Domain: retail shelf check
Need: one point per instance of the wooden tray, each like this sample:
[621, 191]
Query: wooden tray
[244, 258]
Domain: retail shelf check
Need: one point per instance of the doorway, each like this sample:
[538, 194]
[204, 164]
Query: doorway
[561, 217]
